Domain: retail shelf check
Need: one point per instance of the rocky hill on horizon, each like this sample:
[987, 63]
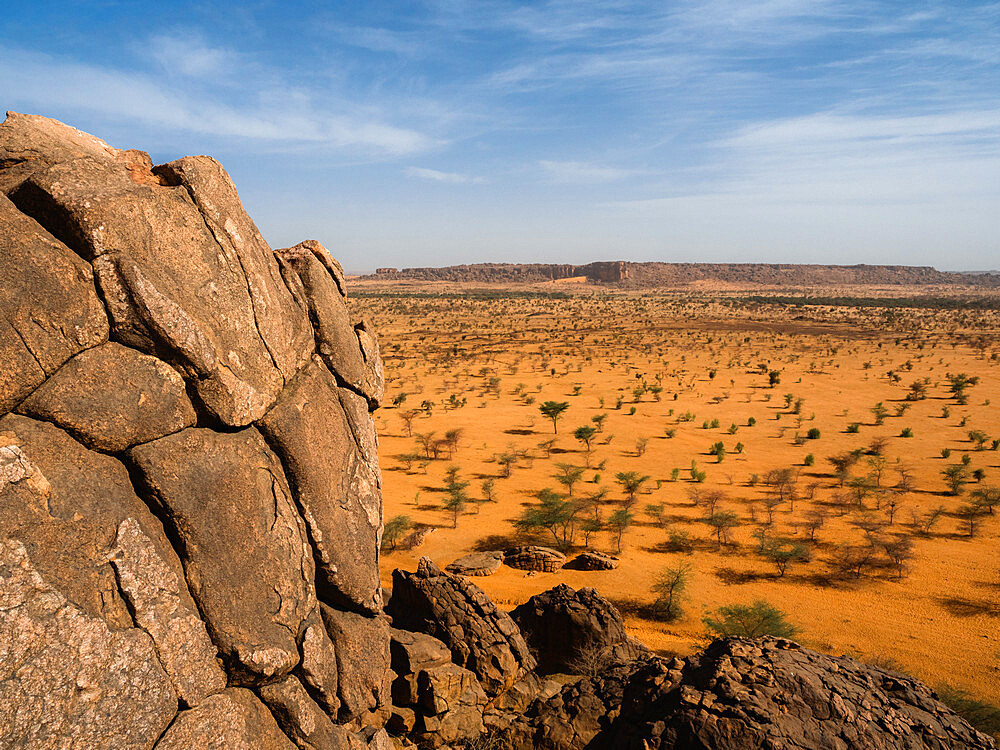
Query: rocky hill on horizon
[628, 274]
[191, 518]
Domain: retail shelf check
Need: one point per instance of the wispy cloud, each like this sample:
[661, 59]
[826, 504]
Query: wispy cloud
[268, 114]
[576, 172]
[436, 176]
[188, 54]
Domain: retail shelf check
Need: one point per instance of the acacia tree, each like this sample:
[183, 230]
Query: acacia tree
[670, 589]
[393, 531]
[956, 476]
[783, 552]
[408, 416]
[585, 435]
[722, 521]
[958, 384]
[554, 513]
[631, 482]
[457, 497]
[619, 522]
[553, 410]
[568, 476]
[899, 550]
[749, 621]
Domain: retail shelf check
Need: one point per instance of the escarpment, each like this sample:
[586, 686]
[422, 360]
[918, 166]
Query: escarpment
[191, 513]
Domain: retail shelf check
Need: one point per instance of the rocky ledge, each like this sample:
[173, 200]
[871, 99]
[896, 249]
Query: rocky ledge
[191, 512]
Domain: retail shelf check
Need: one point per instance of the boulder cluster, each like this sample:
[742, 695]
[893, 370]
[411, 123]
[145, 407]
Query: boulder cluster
[191, 513]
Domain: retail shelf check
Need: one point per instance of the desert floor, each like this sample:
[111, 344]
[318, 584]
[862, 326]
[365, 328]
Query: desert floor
[482, 363]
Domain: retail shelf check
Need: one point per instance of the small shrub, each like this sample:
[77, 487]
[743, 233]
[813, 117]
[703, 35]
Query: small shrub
[751, 422]
[907, 432]
[749, 621]
[813, 433]
[854, 427]
[946, 453]
[809, 460]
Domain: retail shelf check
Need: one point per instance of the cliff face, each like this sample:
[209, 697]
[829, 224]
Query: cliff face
[190, 496]
[654, 274]
[190, 517]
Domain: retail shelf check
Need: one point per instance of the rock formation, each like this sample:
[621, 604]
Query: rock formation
[190, 501]
[645, 275]
[190, 518]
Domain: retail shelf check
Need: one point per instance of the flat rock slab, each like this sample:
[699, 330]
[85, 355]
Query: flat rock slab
[246, 558]
[65, 503]
[67, 681]
[340, 500]
[231, 720]
[112, 397]
[49, 309]
[477, 564]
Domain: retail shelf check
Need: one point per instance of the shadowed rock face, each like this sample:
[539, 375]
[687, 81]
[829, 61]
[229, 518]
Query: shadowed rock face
[188, 465]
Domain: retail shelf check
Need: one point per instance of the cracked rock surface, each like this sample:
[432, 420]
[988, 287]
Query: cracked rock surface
[168, 530]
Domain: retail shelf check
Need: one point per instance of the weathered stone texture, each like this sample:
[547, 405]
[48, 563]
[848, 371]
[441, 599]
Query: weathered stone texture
[534, 558]
[350, 351]
[65, 504]
[476, 564]
[231, 720]
[362, 647]
[117, 612]
[340, 504]
[67, 681]
[481, 637]
[49, 309]
[172, 285]
[112, 397]
[574, 631]
[246, 558]
[159, 603]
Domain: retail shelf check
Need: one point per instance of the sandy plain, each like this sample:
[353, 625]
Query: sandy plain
[484, 360]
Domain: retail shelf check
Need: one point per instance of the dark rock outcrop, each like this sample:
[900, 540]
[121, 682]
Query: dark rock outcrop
[481, 637]
[188, 492]
[576, 632]
[742, 694]
[592, 561]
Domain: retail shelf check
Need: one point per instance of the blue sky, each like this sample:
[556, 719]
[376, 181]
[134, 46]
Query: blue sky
[431, 133]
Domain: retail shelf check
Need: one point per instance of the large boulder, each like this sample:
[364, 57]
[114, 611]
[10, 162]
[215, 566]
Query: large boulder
[578, 632]
[154, 241]
[481, 637]
[244, 548]
[335, 487]
[534, 558]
